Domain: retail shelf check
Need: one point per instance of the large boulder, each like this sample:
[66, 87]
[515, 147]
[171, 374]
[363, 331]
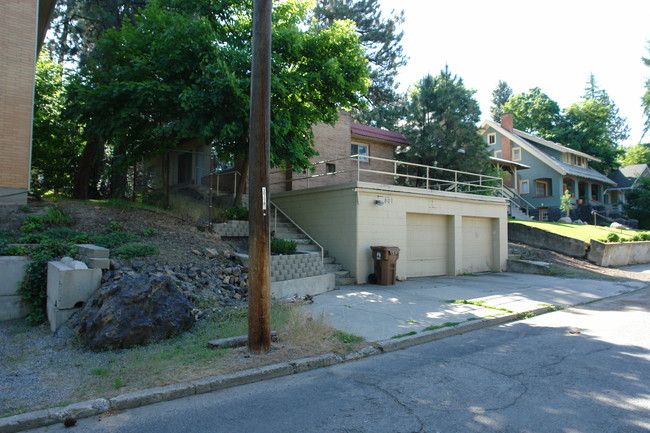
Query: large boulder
[134, 311]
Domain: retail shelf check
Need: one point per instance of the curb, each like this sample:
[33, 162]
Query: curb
[45, 417]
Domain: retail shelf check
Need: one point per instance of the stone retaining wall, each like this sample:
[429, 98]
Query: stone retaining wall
[542, 239]
[619, 253]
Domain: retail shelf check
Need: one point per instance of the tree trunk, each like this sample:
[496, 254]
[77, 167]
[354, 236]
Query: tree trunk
[241, 185]
[86, 171]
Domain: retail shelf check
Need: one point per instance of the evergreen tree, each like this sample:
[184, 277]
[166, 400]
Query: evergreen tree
[595, 127]
[441, 125]
[381, 39]
[645, 100]
[500, 96]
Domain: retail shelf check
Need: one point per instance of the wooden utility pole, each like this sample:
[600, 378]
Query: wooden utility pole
[259, 248]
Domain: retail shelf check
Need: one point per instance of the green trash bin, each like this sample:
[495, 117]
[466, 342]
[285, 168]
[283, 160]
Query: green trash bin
[385, 264]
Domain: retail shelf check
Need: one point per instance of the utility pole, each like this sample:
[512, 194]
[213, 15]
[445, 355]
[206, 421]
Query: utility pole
[259, 147]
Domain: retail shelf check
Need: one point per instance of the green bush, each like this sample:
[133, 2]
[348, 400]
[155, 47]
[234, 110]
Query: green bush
[16, 250]
[283, 246]
[148, 232]
[237, 213]
[33, 223]
[135, 250]
[33, 288]
[613, 237]
[56, 216]
[115, 226]
[645, 236]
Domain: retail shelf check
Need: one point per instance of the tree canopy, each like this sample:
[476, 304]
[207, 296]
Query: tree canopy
[534, 112]
[638, 203]
[638, 154]
[441, 125]
[181, 70]
[381, 38]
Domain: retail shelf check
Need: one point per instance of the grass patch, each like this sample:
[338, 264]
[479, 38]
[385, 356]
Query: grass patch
[582, 232]
[444, 325]
[526, 315]
[403, 335]
[478, 304]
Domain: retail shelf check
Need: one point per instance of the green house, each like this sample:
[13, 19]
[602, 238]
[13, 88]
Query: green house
[553, 168]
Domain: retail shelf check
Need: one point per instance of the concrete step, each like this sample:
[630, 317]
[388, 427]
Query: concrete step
[290, 234]
[345, 281]
[332, 267]
[309, 247]
[328, 260]
[529, 267]
[341, 273]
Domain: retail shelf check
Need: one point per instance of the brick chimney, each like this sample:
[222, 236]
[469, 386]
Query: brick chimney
[506, 146]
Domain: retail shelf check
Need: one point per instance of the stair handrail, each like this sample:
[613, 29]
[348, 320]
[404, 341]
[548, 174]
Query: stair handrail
[276, 209]
[516, 199]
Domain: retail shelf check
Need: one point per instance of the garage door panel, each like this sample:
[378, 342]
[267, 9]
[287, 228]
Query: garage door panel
[477, 244]
[427, 244]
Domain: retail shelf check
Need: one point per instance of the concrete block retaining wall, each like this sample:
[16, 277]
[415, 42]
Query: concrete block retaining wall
[542, 239]
[619, 253]
[231, 228]
[291, 267]
[12, 272]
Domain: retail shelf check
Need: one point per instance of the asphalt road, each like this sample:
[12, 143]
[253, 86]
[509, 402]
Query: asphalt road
[585, 370]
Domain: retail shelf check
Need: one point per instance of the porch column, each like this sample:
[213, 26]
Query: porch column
[588, 193]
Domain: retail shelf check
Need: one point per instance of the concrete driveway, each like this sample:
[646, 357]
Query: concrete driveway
[381, 312]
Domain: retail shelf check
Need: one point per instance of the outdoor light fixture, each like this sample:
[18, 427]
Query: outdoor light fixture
[379, 202]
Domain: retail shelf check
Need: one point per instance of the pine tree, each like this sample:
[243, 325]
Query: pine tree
[441, 125]
[500, 96]
[381, 39]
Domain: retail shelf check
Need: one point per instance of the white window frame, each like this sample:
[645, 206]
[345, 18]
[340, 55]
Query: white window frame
[360, 149]
[498, 153]
[516, 153]
[492, 138]
[524, 187]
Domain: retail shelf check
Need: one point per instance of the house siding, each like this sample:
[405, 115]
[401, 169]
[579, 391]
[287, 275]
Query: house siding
[17, 62]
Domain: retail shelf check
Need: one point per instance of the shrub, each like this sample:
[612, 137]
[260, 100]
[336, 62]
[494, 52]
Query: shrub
[115, 226]
[645, 236]
[148, 232]
[613, 237]
[237, 213]
[135, 250]
[33, 223]
[283, 246]
[56, 216]
[33, 288]
[16, 250]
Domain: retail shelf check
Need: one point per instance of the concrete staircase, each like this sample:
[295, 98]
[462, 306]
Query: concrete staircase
[522, 266]
[518, 214]
[283, 228]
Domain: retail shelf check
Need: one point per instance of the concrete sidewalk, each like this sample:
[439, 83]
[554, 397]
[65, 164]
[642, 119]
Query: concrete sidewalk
[381, 312]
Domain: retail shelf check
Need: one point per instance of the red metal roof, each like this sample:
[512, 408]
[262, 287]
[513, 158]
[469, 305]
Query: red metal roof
[381, 134]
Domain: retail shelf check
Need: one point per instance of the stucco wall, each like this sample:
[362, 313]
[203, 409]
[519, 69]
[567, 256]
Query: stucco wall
[17, 60]
[347, 220]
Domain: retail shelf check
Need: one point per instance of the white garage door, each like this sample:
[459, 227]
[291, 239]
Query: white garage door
[428, 244]
[477, 244]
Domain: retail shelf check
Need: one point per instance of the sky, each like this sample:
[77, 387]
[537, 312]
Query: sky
[550, 44]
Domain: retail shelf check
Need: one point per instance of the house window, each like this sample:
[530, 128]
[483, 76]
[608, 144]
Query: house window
[492, 138]
[581, 161]
[330, 168]
[566, 158]
[541, 188]
[595, 192]
[361, 150]
[497, 154]
[525, 187]
[543, 214]
[516, 153]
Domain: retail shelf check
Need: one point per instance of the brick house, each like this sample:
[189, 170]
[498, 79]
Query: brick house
[23, 24]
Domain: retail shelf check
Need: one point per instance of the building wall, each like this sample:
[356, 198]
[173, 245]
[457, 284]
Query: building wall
[348, 219]
[17, 60]
[333, 143]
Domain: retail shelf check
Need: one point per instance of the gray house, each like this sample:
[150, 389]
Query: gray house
[626, 178]
[553, 168]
